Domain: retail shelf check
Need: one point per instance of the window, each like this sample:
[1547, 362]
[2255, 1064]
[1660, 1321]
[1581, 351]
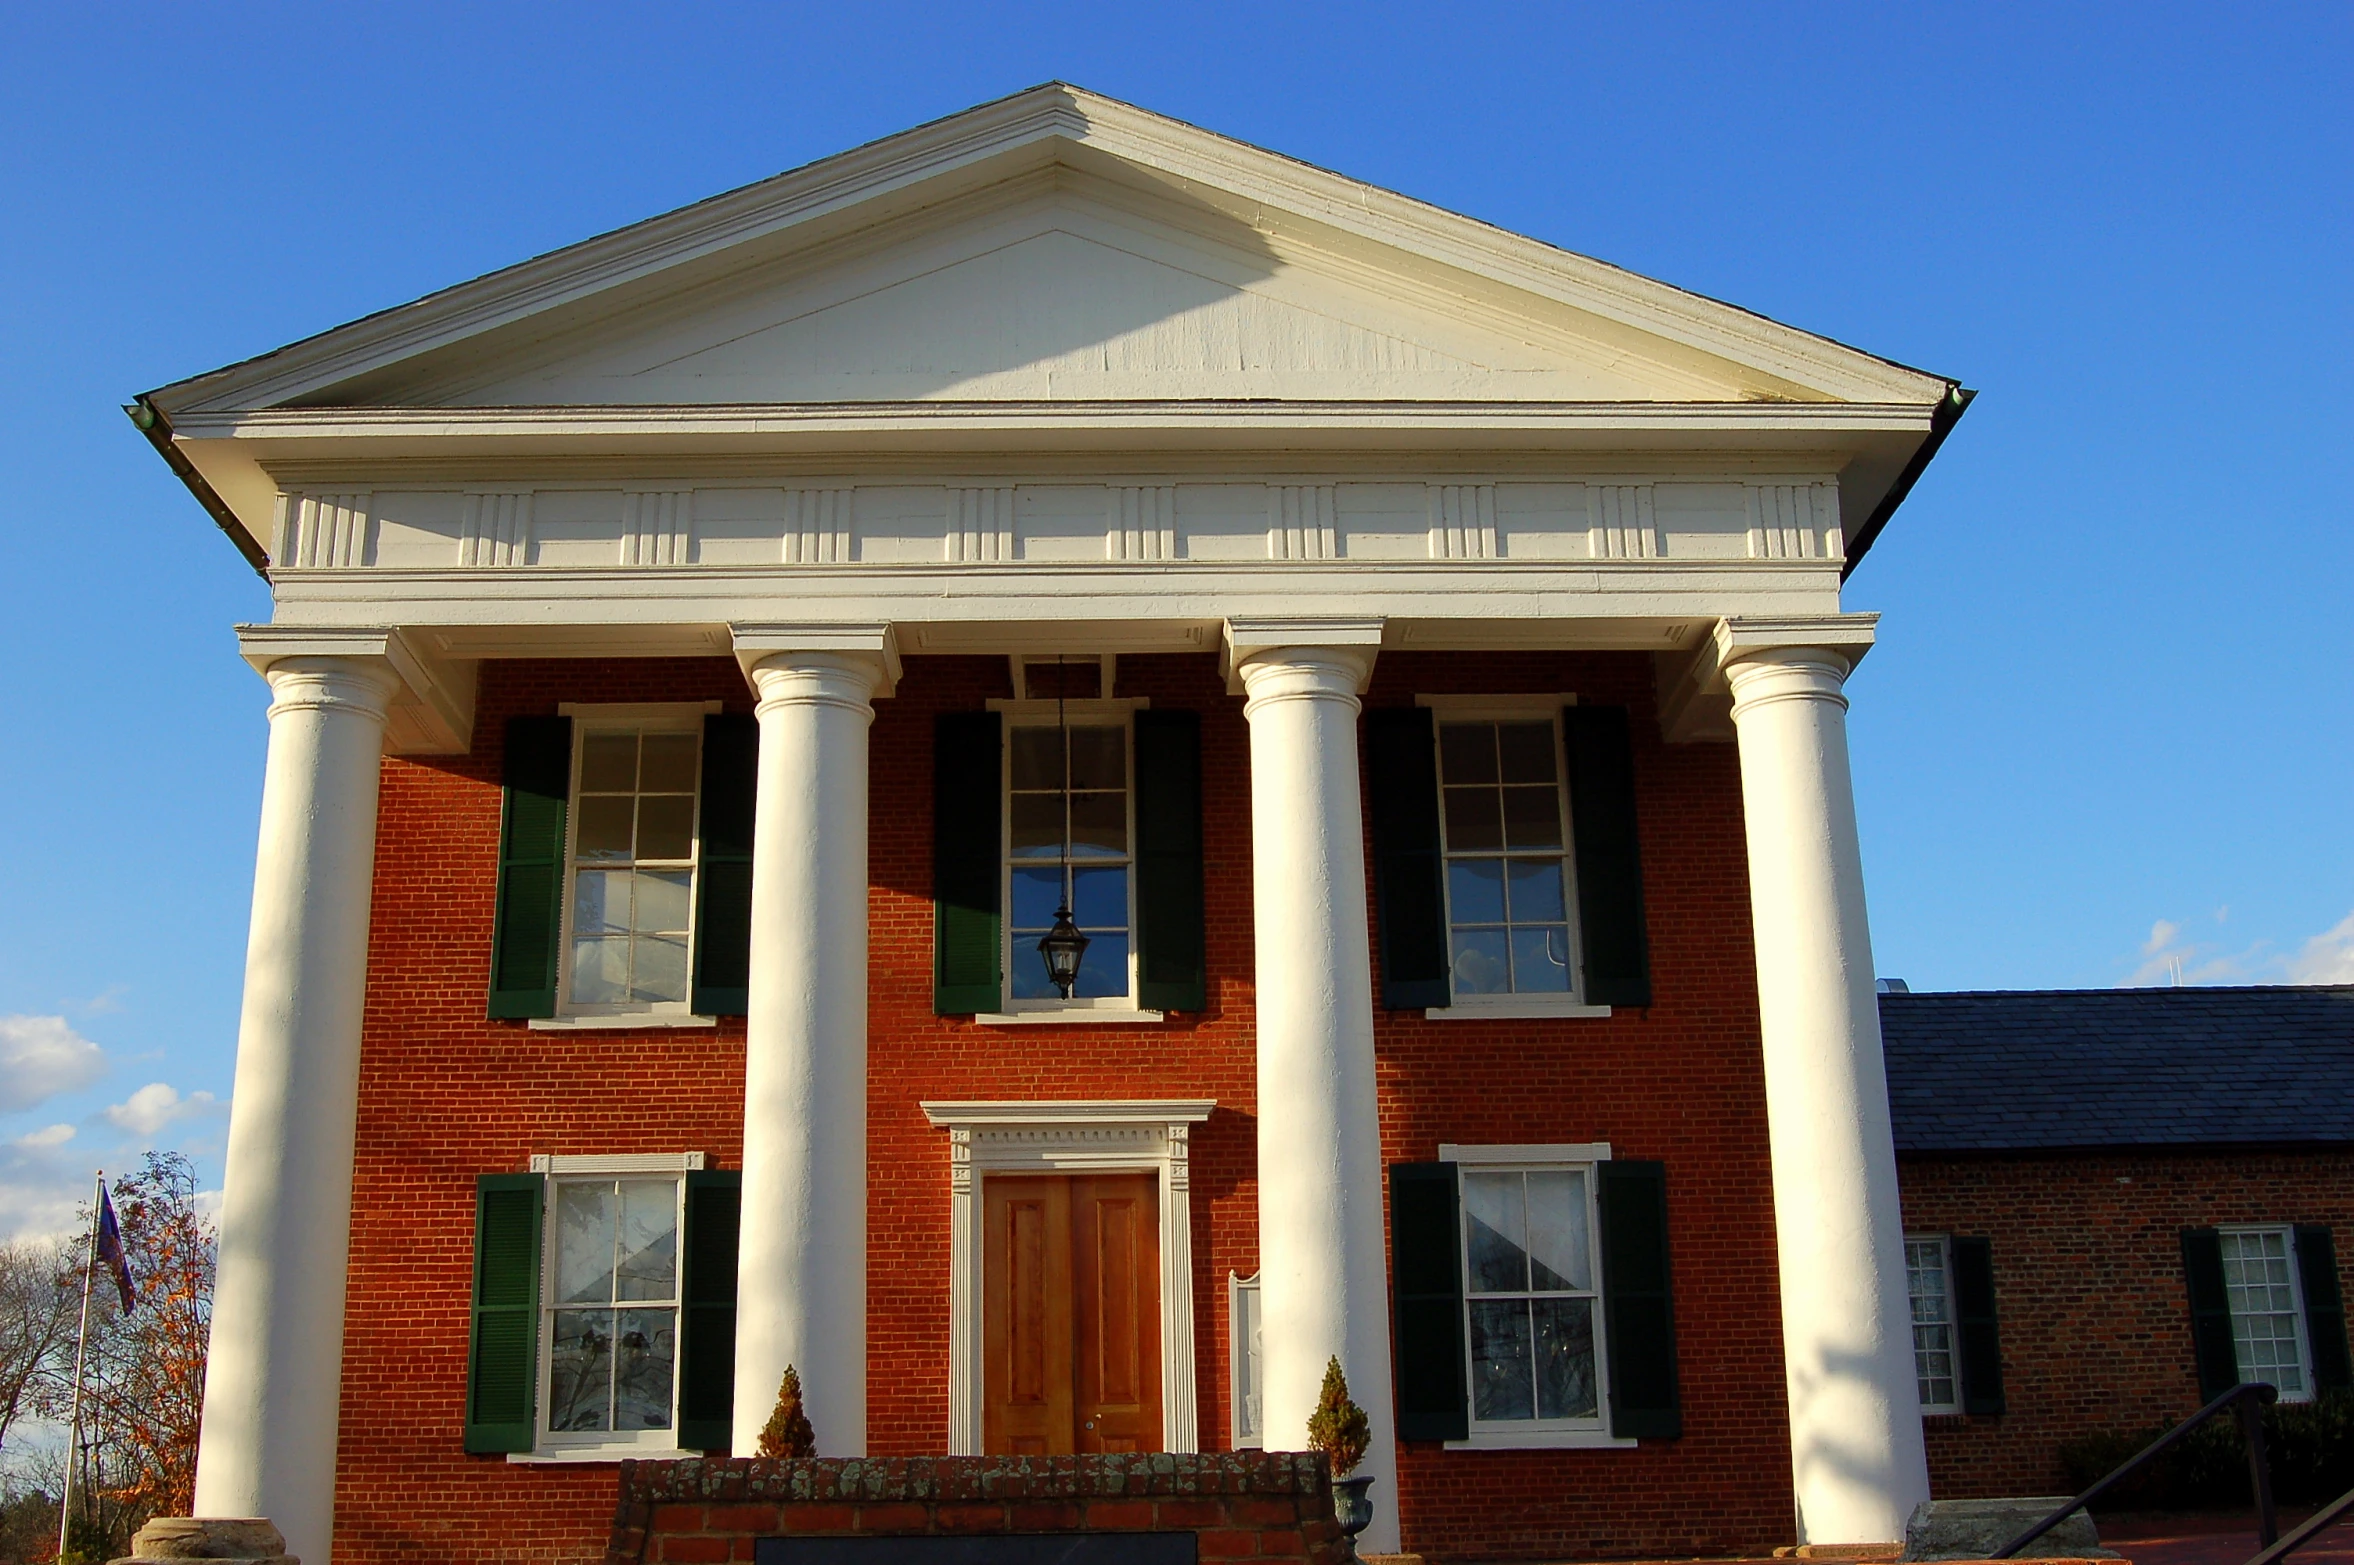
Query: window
[1504, 822]
[1928, 1279]
[610, 1312]
[1068, 830]
[1531, 1306]
[631, 862]
[1242, 1325]
[2267, 1314]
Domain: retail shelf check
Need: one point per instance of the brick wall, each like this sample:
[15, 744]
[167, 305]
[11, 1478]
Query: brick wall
[1251, 1506]
[2094, 1320]
[446, 1095]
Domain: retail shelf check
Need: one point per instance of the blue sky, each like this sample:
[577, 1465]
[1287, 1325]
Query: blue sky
[2106, 733]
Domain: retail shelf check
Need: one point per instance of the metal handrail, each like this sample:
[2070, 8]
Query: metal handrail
[2248, 1402]
[2317, 1524]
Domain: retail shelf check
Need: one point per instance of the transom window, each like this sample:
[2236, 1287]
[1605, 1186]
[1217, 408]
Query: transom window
[2267, 1316]
[632, 863]
[609, 1329]
[1530, 1299]
[1505, 823]
[1067, 836]
[1927, 1278]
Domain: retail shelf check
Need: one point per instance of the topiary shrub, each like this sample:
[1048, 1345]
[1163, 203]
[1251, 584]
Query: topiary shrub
[787, 1434]
[1338, 1427]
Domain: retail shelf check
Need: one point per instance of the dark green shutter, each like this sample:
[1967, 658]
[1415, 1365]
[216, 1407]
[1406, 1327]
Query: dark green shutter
[530, 918]
[707, 1331]
[1402, 767]
[723, 910]
[2202, 1274]
[1170, 971]
[2325, 1308]
[1974, 1323]
[502, 1372]
[1426, 1271]
[1638, 1310]
[1616, 946]
[968, 792]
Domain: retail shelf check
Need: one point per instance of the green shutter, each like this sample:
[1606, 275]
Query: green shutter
[1616, 946]
[1402, 767]
[1638, 1309]
[707, 1333]
[1974, 1322]
[968, 793]
[502, 1371]
[2202, 1275]
[530, 918]
[723, 910]
[1426, 1270]
[2325, 1308]
[1171, 974]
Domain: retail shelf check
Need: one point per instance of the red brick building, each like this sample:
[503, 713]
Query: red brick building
[1057, 771]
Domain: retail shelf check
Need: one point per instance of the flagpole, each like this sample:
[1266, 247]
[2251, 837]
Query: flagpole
[65, 1509]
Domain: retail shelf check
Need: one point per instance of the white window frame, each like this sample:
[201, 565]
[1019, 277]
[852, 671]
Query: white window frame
[1093, 713]
[550, 1446]
[2304, 1336]
[1536, 1434]
[1245, 1383]
[1487, 1007]
[1952, 1323]
[646, 717]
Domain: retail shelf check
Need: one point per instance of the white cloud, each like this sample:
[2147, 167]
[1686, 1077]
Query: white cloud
[2327, 958]
[2168, 958]
[40, 1057]
[156, 1105]
[47, 1136]
[42, 1187]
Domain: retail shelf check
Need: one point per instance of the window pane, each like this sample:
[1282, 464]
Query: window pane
[1027, 970]
[1536, 891]
[1099, 899]
[1037, 892]
[580, 1371]
[1540, 960]
[584, 1242]
[1099, 824]
[1480, 962]
[1038, 825]
[1559, 1249]
[1467, 752]
[1473, 824]
[1495, 1232]
[1099, 758]
[1532, 817]
[609, 763]
[1037, 757]
[1925, 1284]
[2263, 1305]
[600, 901]
[1564, 1357]
[1103, 971]
[1475, 891]
[661, 968]
[600, 970]
[662, 901]
[1500, 1377]
[667, 765]
[603, 832]
[666, 826]
[645, 1345]
[649, 1240]
[1527, 750]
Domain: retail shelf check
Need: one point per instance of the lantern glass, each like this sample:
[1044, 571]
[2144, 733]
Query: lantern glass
[1062, 947]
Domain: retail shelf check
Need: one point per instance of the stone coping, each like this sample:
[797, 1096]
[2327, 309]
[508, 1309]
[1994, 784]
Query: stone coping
[853, 1479]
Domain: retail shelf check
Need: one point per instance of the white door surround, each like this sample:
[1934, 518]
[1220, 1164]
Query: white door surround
[1128, 1136]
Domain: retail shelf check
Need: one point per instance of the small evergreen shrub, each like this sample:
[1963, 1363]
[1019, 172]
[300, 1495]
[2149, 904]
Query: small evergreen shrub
[1338, 1427]
[787, 1434]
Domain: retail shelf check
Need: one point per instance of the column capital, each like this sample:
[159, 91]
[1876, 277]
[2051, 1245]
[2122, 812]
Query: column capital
[1305, 674]
[312, 684]
[1272, 636]
[869, 645]
[1846, 637]
[429, 706]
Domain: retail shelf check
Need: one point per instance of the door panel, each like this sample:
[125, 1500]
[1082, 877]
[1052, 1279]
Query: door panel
[1026, 1316]
[1116, 1270]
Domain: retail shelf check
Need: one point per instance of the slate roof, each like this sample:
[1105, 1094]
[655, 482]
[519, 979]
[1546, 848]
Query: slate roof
[2025, 1070]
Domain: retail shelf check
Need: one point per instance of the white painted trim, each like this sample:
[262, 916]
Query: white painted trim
[616, 1163]
[1040, 712]
[619, 1021]
[639, 711]
[1544, 1440]
[1238, 1360]
[1555, 1152]
[1148, 1135]
[611, 1455]
[1067, 1015]
[1490, 706]
[1528, 1007]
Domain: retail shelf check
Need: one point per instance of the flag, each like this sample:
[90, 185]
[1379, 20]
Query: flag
[110, 1249]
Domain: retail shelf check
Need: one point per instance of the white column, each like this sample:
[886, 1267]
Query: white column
[274, 1379]
[1856, 1453]
[1323, 1289]
[801, 1261]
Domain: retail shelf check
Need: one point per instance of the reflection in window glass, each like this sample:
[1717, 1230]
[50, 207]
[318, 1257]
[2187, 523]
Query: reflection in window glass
[633, 866]
[1528, 1266]
[1507, 901]
[613, 1313]
[1067, 837]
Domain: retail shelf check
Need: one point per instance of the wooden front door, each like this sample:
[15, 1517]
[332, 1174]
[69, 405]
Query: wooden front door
[1070, 1313]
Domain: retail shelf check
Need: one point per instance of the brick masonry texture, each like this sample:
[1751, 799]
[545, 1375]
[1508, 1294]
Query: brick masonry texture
[1241, 1506]
[446, 1095]
[2094, 1319]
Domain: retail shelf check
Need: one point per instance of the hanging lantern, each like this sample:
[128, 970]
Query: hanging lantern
[1063, 946]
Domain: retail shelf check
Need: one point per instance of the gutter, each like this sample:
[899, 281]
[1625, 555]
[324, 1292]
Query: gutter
[1949, 413]
[152, 423]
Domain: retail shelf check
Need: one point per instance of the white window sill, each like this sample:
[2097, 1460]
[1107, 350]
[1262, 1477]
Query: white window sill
[1541, 1440]
[1514, 1008]
[1066, 1018]
[619, 1022]
[599, 1453]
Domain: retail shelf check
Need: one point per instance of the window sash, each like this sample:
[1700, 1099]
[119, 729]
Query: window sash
[1564, 856]
[1023, 946]
[2275, 1332]
[1472, 1298]
[551, 1253]
[1936, 1341]
[585, 726]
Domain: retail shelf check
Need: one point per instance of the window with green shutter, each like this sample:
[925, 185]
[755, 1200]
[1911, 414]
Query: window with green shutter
[503, 1339]
[2202, 1275]
[527, 935]
[723, 913]
[1638, 1301]
[1426, 1274]
[1401, 771]
[1615, 941]
[967, 837]
[707, 1327]
[1171, 974]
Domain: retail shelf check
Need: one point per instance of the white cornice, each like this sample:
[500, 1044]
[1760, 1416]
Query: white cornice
[1123, 1111]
